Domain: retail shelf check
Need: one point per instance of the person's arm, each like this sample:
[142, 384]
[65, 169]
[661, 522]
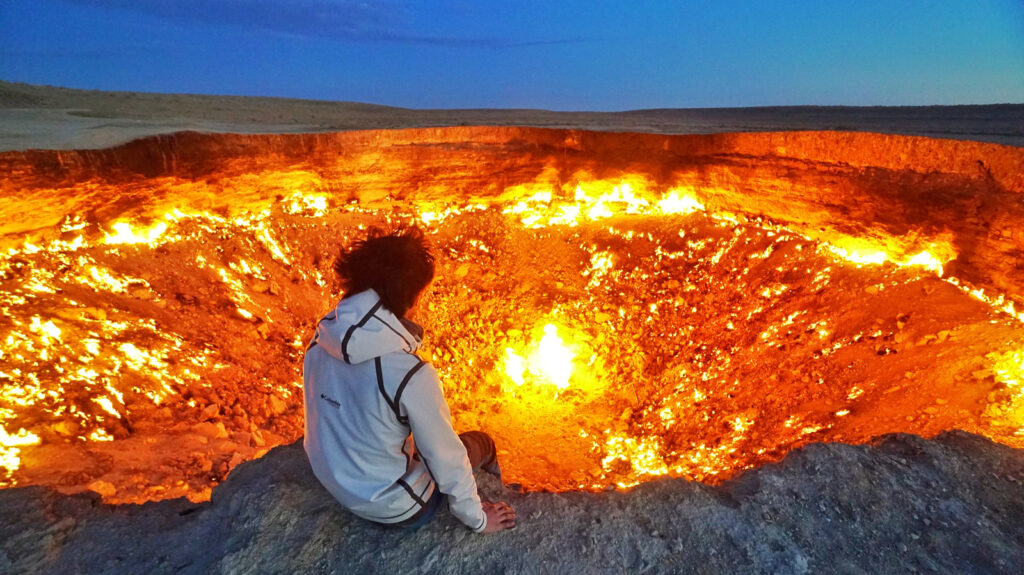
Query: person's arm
[431, 422]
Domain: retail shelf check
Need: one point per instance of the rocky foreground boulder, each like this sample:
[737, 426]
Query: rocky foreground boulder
[954, 504]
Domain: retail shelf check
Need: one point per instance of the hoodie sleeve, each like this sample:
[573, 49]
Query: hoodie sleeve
[431, 422]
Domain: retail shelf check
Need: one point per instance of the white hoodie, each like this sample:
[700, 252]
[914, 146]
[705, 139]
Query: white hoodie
[358, 436]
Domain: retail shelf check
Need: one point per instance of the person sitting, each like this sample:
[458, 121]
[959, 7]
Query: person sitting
[379, 434]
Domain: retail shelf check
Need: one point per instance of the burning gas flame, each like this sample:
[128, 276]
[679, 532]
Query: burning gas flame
[1008, 369]
[549, 361]
[677, 202]
[552, 360]
[596, 200]
[124, 234]
[865, 252]
[9, 448]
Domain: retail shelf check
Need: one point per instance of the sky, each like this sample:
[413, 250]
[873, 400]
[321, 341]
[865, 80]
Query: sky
[551, 54]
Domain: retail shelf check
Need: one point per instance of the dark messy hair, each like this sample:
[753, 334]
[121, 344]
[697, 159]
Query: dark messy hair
[397, 264]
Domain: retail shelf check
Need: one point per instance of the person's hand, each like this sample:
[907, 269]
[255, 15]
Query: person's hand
[499, 517]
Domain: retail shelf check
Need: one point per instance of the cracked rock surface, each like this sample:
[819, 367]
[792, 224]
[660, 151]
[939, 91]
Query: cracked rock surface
[904, 504]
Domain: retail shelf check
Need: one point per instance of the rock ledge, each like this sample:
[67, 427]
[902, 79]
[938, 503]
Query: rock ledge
[953, 504]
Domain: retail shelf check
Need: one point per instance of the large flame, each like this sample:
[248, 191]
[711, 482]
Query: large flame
[548, 361]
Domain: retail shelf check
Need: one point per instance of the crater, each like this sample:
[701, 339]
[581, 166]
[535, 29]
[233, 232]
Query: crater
[612, 308]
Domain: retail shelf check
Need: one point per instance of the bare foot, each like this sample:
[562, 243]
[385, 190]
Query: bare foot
[500, 516]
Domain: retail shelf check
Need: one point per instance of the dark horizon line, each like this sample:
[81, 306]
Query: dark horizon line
[518, 108]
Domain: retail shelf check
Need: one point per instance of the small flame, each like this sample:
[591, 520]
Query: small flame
[643, 454]
[1009, 370]
[10, 448]
[46, 331]
[676, 202]
[926, 261]
[107, 406]
[859, 256]
[123, 233]
[20, 439]
[866, 252]
[313, 205]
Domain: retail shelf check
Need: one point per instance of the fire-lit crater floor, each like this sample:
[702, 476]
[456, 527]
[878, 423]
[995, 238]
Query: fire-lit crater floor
[607, 329]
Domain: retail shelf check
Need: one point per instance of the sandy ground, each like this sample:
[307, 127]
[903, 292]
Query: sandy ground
[37, 117]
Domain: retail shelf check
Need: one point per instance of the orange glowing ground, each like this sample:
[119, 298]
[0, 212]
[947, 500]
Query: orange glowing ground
[604, 331]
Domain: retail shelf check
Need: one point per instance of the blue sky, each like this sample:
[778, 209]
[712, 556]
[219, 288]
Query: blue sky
[554, 54]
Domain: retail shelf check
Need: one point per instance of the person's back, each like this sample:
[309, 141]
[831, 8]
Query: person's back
[366, 390]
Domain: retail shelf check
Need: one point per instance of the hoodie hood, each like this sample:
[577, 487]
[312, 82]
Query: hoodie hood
[360, 328]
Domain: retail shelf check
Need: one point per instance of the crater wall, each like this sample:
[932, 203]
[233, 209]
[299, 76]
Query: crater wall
[902, 191]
